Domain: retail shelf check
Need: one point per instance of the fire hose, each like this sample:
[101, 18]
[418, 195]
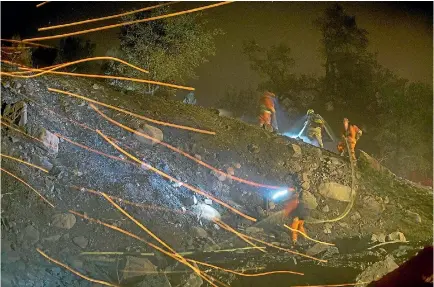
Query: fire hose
[353, 194]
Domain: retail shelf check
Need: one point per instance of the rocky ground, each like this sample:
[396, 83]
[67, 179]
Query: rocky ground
[386, 208]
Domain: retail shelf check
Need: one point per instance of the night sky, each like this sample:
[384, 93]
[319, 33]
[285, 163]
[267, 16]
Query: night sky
[401, 33]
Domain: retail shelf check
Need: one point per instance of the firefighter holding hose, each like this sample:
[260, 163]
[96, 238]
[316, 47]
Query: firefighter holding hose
[314, 126]
[352, 134]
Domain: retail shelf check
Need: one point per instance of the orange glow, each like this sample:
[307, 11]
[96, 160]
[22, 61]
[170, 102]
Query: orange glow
[25, 43]
[224, 225]
[141, 205]
[74, 122]
[126, 23]
[28, 185]
[13, 63]
[182, 152]
[230, 229]
[21, 132]
[29, 69]
[177, 255]
[139, 224]
[22, 161]
[43, 3]
[73, 271]
[131, 113]
[95, 76]
[94, 150]
[105, 18]
[10, 53]
[67, 64]
[16, 48]
[305, 235]
[180, 259]
[198, 191]
[284, 249]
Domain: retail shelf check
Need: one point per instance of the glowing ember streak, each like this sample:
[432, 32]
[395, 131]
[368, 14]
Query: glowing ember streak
[274, 246]
[73, 271]
[28, 185]
[25, 43]
[67, 64]
[127, 23]
[141, 205]
[131, 113]
[22, 161]
[180, 259]
[138, 223]
[305, 235]
[106, 17]
[198, 191]
[43, 3]
[94, 150]
[230, 229]
[21, 132]
[97, 76]
[182, 152]
[285, 249]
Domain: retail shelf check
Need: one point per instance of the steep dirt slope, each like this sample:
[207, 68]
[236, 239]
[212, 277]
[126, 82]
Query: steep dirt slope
[383, 203]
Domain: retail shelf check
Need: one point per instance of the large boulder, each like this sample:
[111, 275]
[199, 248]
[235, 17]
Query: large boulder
[64, 220]
[319, 248]
[205, 211]
[334, 190]
[370, 162]
[377, 270]
[381, 237]
[396, 236]
[151, 131]
[414, 216]
[309, 200]
[137, 266]
[80, 241]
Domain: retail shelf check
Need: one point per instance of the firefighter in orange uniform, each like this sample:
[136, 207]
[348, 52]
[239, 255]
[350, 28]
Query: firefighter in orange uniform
[352, 133]
[296, 208]
[267, 117]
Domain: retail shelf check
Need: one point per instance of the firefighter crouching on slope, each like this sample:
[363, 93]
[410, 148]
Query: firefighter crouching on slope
[314, 124]
[267, 117]
[352, 133]
[296, 208]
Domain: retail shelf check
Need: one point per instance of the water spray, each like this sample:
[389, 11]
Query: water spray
[282, 194]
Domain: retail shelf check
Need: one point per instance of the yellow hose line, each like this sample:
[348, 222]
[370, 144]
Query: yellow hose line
[353, 195]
